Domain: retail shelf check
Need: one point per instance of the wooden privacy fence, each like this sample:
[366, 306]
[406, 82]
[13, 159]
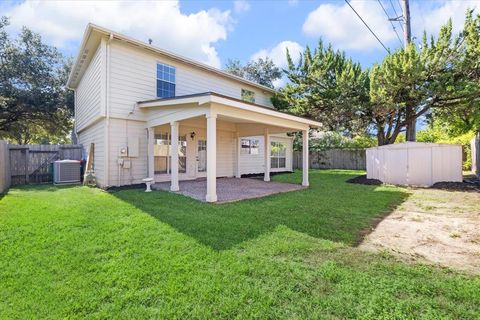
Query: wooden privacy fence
[353, 159]
[32, 163]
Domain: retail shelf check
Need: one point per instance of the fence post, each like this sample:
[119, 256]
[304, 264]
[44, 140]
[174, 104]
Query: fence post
[475, 145]
[27, 160]
[477, 148]
[4, 166]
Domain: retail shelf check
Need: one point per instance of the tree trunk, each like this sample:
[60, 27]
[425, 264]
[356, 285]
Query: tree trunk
[380, 136]
[411, 132]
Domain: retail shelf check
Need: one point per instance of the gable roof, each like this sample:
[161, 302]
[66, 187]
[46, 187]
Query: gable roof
[93, 35]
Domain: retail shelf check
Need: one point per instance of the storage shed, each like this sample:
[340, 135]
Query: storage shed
[415, 163]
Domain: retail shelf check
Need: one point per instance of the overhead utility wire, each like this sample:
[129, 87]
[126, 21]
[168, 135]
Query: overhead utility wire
[391, 22]
[366, 25]
[397, 18]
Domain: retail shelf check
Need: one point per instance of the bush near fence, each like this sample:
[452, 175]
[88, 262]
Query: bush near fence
[352, 159]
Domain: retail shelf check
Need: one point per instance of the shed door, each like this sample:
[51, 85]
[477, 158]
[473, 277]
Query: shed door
[396, 166]
[419, 166]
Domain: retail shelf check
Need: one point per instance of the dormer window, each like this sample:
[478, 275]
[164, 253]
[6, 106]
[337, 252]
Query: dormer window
[165, 81]
[248, 96]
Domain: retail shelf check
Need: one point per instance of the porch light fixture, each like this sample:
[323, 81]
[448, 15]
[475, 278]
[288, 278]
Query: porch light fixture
[192, 135]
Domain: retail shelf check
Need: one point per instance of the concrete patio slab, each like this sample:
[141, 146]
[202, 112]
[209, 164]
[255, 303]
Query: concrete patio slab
[230, 189]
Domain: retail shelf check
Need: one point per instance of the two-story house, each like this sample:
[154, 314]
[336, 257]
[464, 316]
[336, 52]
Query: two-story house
[151, 113]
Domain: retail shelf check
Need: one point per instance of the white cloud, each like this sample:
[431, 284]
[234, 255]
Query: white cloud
[292, 3]
[241, 6]
[339, 25]
[431, 18]
[278, 54]
[62, 24]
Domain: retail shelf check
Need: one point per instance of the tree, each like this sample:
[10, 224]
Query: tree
[261, 71]
[235, 67]
[464, 117]
[439, 79]
[326, 86]
[34, 103]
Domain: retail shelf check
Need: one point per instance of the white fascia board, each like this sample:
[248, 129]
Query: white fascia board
[265, 111]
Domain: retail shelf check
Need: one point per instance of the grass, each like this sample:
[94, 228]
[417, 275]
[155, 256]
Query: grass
[77, 252]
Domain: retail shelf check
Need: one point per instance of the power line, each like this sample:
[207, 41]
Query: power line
[391, 22]
[400, 5]
[397, 16]
[366, 25]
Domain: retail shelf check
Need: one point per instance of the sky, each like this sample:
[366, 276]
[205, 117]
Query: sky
[215, 31]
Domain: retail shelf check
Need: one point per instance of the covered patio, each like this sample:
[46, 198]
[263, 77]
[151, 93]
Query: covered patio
[230, 189]
[216, 124]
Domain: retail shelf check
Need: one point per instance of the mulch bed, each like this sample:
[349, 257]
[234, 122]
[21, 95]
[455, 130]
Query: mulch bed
[363, 180]
[457, 186]
[126, 187]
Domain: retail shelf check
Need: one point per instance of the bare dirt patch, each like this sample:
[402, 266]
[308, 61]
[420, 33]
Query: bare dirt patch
[433, 226]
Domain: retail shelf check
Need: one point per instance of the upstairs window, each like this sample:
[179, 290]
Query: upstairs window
[165, 81]
[248, 96]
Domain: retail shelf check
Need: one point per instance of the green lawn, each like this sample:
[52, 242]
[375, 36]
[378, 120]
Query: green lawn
[76, 252]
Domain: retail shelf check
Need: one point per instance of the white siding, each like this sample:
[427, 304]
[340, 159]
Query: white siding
[133, 79]
[255, 163]
[95, 134]
[88, 102]
[225, 153]
[124, 133]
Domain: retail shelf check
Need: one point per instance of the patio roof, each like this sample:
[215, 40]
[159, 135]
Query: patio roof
[213, 97]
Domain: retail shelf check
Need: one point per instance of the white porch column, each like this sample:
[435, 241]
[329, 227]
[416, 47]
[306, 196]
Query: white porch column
[150, 152]
[174, 163]
[266, 175]
[239, 147]
[305, 161]
[211, 158]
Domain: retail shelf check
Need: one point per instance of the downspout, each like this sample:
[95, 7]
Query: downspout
[75, 115]
[126, 135]
[107, 111]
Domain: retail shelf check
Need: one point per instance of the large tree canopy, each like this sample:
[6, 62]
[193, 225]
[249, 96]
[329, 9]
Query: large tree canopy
[327, 86]
[440, 79]
[35, 106]
[261, 71]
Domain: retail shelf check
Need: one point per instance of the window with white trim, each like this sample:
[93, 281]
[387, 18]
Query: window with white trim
[248, 96]
[165, 81]
[278, 155]
[249, 146]
[163, 153]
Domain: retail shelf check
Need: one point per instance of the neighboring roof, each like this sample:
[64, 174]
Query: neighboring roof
[205, 97]
[78, 69]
